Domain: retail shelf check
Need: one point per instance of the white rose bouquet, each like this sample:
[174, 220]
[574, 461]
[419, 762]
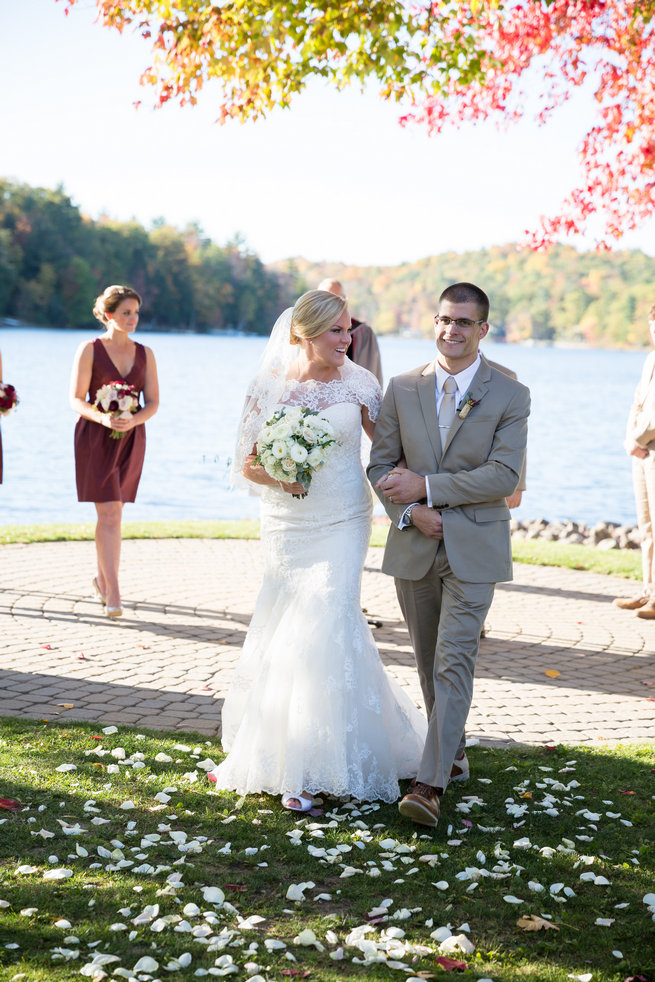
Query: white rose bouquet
[119, 399]
[294, 444]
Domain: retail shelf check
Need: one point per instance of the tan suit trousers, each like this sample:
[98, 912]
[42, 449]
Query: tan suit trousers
[643, 479]
[444, 617]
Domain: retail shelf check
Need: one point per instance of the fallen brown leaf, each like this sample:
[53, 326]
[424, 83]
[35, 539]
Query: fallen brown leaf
[531, 922]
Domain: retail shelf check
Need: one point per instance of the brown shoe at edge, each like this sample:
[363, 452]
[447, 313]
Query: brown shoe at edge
[421, 805]
[631, 603]
[647, 612]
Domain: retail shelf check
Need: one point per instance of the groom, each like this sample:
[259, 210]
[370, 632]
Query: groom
[461, 427]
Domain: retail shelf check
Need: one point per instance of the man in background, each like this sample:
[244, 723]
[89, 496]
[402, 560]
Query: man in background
[364, 349]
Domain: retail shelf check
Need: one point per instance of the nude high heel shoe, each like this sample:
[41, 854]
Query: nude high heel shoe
[114, 612]
[98, 592]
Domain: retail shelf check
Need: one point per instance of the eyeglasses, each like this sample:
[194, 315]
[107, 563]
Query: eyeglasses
[461, 322]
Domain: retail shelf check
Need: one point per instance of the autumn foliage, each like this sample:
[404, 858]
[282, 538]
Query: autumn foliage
[608, 45]
[452, 62]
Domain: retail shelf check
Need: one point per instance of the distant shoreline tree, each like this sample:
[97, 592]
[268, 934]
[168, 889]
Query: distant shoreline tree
[54, 262]
[452, 61]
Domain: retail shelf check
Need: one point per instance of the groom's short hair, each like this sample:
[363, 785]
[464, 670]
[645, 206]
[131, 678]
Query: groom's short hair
[467, 293]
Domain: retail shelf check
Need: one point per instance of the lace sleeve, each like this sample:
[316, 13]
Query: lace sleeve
[364, 386]
[263, 395]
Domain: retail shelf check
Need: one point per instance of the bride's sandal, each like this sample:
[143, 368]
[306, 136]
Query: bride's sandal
[297, 802]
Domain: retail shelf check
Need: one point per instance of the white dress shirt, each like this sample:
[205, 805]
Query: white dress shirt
[463, 381]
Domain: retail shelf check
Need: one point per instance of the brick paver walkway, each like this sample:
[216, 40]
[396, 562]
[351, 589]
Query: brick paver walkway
[168, 662]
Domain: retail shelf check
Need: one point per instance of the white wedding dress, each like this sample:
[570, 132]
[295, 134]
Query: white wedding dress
[310, 707]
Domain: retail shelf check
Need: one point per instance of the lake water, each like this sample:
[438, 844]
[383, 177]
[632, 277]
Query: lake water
[577, 468]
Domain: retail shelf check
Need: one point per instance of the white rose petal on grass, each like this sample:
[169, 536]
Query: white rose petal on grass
[296, 891]
[586, 977]
[66, 767]
[213, 895]
[146, 964]
[457, 942]
[25, 870]
[308, 939]
[250, 923]
[110, 729]
[618, 954]
[162, 758]
[63, 923]
[127, 805]
[274, 944]
[604, 921]
[57, 874]
[511, 899]
[441, 885]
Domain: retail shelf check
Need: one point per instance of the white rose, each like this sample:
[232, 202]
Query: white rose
[308, 434]
[324, 425]
[298, 453]
[279, 449]
[281, 430]
[125, 403]
[289, 466]
[316, 457]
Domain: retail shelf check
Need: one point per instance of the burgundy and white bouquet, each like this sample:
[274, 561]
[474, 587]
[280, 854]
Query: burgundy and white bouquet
[293, 444]
[8, 398]
[120, 400]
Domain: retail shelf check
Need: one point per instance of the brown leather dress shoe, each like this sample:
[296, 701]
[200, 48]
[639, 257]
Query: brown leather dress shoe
[647, 611]
[631, 603]
[421, 804]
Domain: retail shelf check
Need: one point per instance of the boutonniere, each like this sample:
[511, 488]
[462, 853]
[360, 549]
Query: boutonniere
[466, 407]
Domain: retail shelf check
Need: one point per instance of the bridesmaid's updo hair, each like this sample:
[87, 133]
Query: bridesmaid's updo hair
[314, 313]
[113, 296]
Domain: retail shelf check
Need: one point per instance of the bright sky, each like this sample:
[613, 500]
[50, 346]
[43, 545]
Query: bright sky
[333, 178]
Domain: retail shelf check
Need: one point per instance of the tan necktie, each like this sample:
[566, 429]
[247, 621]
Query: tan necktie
[447, 409]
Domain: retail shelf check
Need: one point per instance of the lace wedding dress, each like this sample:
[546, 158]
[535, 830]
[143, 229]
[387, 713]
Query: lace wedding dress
[310, 706]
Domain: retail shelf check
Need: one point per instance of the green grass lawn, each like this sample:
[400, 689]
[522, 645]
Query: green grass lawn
[126, 862]
[616, 562]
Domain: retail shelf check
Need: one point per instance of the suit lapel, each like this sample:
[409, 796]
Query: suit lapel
[428, 399]
[477, 390]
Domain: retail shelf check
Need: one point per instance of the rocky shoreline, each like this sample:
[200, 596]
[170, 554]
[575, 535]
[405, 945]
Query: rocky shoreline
[602, 535]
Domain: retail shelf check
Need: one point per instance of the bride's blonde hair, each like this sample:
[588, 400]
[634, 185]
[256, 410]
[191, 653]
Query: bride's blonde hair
[314, 313]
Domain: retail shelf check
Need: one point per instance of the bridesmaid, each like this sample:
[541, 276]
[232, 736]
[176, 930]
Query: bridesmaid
[108, 470]
[0, 431]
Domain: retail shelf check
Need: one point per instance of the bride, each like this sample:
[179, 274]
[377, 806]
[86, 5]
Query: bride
[310, 708]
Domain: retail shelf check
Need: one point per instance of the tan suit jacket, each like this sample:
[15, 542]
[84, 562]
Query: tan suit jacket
[641, 419]
[521, 486]
[469, 479]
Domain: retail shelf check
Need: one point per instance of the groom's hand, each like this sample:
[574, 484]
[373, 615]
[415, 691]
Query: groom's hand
[402, 486]
[428, 521]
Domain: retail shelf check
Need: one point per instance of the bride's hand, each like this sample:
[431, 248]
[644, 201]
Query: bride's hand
[295, 488]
